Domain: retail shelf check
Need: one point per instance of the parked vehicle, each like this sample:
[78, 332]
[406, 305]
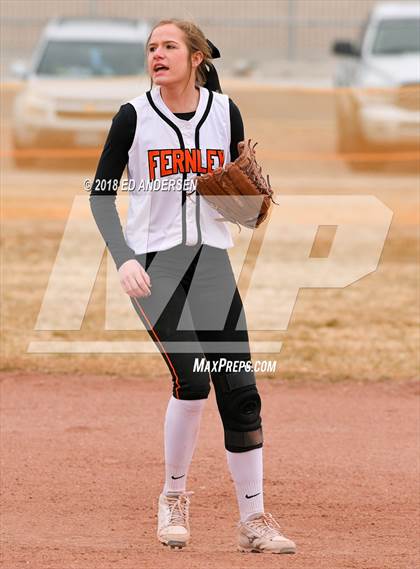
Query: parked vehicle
[378, 84]
[81, 72]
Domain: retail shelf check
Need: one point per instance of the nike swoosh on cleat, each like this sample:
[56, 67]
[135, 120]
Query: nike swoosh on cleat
[176, 477]
[253, 495]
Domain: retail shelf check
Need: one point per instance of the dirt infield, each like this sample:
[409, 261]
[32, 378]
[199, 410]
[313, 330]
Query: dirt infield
[83, 466]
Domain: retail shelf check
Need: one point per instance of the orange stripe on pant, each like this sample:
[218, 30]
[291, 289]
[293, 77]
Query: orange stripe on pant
[178, 387]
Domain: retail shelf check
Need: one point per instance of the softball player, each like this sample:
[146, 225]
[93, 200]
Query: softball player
[173, 263]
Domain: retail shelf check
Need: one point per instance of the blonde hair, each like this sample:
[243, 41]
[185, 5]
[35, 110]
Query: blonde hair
[195, 41]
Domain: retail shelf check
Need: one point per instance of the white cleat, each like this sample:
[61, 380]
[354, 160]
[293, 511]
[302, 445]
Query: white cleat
[173, 519]
[261, 533]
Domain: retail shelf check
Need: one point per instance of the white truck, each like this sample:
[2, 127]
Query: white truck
[81, 71]
[378, 85]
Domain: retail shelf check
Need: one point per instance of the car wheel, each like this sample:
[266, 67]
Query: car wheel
[24, 162]
[20, 160]
[350, 140]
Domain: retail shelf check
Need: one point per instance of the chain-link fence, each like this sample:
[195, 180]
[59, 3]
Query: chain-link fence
[266, 33]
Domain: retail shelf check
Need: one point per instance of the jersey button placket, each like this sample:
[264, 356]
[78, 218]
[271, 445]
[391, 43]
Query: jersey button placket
[192, 236]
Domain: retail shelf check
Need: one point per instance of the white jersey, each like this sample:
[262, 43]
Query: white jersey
[167, 152]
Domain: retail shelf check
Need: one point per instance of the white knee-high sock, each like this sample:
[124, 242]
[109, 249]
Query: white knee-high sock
[246, 469]
[182, 424]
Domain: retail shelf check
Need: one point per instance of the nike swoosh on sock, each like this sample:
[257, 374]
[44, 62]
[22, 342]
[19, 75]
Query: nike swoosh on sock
[252, 496]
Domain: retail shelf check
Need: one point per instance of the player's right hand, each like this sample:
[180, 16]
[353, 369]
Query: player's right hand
[134, 279]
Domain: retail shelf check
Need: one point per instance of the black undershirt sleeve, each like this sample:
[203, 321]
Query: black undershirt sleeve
[236, 130]
[111, 165]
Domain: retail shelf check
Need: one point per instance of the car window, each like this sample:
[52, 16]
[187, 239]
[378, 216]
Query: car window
[394, 37]
[91, 59]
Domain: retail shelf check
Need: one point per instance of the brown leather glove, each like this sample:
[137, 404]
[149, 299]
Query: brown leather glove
[239, 191]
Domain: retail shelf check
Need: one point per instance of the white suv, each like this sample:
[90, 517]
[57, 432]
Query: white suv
[379, 107]
[81, 72]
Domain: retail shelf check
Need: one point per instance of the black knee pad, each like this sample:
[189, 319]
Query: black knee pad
[239, 406]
